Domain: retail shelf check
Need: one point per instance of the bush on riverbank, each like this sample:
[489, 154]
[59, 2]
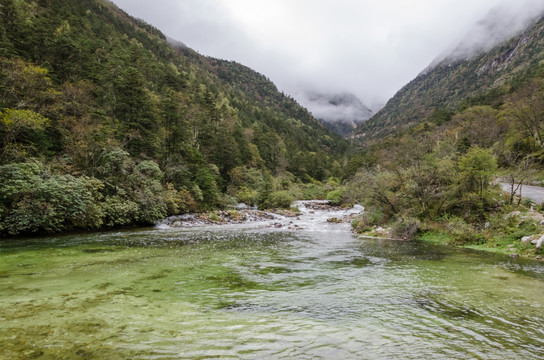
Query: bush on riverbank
[368, 219]
[462, 233]
[35, 199]
[406, 228]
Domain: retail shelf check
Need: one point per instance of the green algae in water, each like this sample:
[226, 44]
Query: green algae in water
[263, 294]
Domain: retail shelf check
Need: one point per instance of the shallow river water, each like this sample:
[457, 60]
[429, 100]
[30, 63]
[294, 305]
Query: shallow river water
[254, 291]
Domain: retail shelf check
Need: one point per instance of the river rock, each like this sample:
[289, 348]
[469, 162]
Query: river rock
[539, 242]
[527, 239]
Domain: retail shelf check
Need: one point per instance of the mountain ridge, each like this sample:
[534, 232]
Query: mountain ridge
[451, 81]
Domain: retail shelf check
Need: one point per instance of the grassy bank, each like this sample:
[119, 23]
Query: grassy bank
[511, 233]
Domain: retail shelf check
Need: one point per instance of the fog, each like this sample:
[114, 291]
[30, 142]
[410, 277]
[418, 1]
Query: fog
[362, 47]
[500, 24]
[342, 107]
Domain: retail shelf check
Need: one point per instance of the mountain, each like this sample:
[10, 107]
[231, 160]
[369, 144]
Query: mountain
[430, 160]
[462, 75]
[105, 122]
[341, 112]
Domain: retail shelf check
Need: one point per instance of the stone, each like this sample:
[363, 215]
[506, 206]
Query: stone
[539, 242]
[526, 239]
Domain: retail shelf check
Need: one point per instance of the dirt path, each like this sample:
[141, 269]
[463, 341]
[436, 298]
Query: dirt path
[535, 193]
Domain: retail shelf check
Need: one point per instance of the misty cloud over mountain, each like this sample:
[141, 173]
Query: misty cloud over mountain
[339, 112]
[367, 48]
[345, 107]
[501, 23]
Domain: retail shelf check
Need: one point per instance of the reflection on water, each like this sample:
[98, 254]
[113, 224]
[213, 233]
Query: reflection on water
[255, 292]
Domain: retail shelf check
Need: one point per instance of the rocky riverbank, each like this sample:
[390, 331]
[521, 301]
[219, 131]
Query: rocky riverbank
[294, 218]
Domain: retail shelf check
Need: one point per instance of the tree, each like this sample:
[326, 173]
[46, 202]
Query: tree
[37, 201]
[479, 125]
[477, 168]
[137, 109]
[526, 109]
[519, 169]
[26, 86]
[13, 125]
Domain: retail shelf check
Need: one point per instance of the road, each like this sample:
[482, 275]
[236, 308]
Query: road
[535, 193]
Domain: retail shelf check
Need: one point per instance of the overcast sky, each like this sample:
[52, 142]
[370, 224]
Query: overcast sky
[370, 48]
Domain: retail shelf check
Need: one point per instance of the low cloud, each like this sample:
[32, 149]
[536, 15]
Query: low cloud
[344, 108]
[368, 48]
[500, 24]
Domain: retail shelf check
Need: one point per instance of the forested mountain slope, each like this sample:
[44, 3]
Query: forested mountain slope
[431, 159]
[104, 123]
[446, 85]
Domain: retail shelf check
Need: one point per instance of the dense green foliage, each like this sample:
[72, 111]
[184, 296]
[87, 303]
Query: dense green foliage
[103, 123]
[439, 175]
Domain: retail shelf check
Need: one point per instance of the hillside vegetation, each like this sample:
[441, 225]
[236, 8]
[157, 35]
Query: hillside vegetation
[103, 123]
[436, 175]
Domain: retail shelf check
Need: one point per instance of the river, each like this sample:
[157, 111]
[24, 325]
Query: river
[306, 290]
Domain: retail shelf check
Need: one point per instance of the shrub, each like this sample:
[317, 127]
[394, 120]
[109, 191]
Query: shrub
[119, 212]
[234, 214]
[294, 209]
[152, 205]
[358, 225]
[149, 170]
[227, 202]
[214, 217]
[335, 197]
[369, 219]
[39, 202]
[279, 200]
[462, 233]
[314, 191]
[247, 196]
[406, 228]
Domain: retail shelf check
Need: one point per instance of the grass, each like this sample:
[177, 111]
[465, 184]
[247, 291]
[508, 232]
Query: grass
[504, 241]
[435, 237]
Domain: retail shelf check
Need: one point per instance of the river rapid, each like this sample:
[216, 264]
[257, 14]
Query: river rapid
[281, 288]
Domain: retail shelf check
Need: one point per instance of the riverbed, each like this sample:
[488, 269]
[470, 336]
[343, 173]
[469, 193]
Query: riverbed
[281, 288]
